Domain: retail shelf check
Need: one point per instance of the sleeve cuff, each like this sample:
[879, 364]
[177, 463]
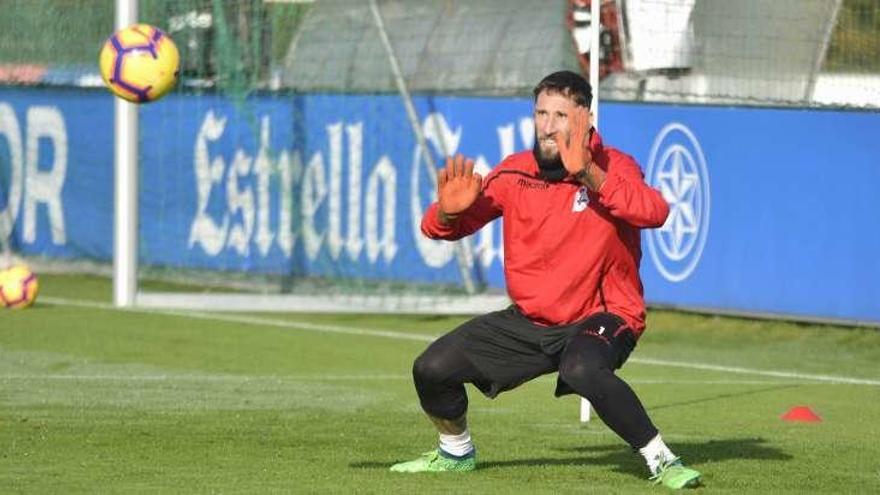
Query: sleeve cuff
[611, 184]
[431, 224]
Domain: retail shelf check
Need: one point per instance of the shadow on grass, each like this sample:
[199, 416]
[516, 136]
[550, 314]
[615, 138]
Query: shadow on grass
[621, 459]
[624, 460]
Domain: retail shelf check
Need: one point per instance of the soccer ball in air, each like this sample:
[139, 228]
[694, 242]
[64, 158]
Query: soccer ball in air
[139, 63]
[18, 287]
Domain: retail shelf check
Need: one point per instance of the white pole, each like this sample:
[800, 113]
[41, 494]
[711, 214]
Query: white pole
[125, 223]
[595, 28]
[595, 53]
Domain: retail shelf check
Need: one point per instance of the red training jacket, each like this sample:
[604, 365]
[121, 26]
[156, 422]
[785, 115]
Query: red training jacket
[568, 252]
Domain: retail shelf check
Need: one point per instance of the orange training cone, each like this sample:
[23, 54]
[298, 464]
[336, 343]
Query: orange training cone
[802, 414]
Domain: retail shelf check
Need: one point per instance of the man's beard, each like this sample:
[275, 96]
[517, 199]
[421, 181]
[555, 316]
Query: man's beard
[551, 169]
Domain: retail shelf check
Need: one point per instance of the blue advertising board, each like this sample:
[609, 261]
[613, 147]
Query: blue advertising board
[772, 210]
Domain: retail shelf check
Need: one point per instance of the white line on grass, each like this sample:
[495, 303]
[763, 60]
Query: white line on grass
[247, 320]
[778, 374]
[314, 327]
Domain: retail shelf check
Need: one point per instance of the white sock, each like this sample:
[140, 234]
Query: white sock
[457, 445]
[656, 452]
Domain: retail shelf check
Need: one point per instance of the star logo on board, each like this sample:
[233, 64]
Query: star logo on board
[677, 167]
[679, 187]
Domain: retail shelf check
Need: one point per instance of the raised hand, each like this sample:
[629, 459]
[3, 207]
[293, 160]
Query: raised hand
[457, 186]
[575, 154]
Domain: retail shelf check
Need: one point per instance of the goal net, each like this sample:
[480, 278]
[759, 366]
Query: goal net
[786, 53]
[311, 134]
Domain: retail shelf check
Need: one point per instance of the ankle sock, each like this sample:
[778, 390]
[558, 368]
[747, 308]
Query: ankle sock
[655, 453]
[457, 445]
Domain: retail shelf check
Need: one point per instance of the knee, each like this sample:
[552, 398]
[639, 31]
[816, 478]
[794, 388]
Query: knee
[429, 368]
[585, 377]
[440, 391]
[575, 370]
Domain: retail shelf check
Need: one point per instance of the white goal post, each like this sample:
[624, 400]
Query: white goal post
[125, 219]
[595, 28]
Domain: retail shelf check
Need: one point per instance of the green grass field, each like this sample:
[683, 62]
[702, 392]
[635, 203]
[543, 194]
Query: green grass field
[97, 400]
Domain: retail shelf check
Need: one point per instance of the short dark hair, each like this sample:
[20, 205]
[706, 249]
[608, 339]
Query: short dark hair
[568, 83]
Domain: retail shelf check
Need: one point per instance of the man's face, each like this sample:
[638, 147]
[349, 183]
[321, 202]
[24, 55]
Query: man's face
[551, 119]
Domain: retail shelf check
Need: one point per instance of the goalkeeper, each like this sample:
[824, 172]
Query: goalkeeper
[572, 209]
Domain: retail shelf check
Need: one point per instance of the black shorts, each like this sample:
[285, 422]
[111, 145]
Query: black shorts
[508, 349]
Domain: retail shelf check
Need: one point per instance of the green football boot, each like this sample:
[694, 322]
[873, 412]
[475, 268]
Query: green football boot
[673, 474]
[437, 462]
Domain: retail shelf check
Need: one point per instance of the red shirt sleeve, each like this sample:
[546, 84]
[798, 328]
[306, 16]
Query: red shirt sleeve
[628, 197]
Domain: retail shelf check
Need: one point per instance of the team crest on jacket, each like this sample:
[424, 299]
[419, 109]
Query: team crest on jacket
[581, 200]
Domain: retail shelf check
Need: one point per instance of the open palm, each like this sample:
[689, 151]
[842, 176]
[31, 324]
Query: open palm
[457, 185]
[575, 153]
